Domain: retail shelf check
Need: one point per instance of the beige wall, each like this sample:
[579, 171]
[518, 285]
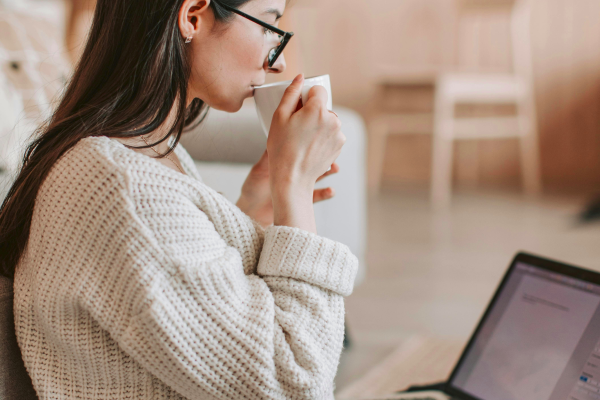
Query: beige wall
[353, 40]
[357, 40]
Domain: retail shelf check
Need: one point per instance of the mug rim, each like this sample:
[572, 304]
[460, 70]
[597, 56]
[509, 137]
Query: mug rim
[288, 82]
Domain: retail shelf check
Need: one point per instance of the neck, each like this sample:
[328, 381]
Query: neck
[162, 131]
[157, 134]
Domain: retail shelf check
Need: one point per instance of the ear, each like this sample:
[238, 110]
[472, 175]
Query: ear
[191, 16]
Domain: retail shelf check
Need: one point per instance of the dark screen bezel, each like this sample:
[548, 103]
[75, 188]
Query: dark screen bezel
[526, 258]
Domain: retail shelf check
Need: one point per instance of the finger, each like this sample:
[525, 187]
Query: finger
[291, 96]
[262, 166]
[323, 194]
[317, 94]
[264, 157]
[334, 170]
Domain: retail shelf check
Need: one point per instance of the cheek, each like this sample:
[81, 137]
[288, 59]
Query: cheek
[242, 63]
[248, 53]
[224, 69]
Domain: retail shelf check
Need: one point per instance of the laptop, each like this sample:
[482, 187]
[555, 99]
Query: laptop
[539, 339]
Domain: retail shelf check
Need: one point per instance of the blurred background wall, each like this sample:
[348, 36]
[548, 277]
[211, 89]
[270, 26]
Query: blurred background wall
[361, 43]
[358, 42]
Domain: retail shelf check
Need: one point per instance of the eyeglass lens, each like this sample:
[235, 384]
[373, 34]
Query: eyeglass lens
[272, 54]
[273, 51]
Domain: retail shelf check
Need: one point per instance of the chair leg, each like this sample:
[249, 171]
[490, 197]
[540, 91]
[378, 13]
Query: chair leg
[441, 173]
[467, 163]
[530, 158]
[441, 170]
[530, 166]
[378, 132]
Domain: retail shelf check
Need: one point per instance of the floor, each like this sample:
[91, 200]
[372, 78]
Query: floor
[434, 273]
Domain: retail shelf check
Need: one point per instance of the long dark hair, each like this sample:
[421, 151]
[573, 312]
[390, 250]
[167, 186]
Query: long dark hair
[133, 71]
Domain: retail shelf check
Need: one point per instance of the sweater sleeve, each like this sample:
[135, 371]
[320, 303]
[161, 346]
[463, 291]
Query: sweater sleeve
[184, 309]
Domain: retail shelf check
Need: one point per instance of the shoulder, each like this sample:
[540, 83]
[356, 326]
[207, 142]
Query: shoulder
[99, 172]
[99, 160]
[93, 162]
[100, 191]
[85, 185]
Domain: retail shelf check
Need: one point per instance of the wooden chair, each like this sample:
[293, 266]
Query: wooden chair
[454, 88]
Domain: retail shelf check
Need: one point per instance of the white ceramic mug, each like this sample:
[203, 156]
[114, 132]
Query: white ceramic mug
[268, 97]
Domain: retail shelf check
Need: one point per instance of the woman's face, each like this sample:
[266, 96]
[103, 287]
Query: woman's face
[230, 58]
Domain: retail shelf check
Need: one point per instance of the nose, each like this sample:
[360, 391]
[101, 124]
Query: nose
[278, 67]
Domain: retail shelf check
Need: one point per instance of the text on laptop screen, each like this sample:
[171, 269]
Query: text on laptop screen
[540, 341]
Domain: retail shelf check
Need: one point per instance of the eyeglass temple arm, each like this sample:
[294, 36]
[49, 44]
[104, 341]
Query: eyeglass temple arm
[255, 20]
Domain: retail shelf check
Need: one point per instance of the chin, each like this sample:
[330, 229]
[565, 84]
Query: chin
[231, 105]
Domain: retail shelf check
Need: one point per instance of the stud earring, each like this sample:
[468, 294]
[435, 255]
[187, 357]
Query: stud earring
[188, 39]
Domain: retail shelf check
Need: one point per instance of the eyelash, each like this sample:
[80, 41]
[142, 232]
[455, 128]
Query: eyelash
[266, 30]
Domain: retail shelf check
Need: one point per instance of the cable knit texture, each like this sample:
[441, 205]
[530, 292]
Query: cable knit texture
[139, 282]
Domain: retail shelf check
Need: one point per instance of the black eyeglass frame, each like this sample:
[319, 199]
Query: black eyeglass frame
[285, 36]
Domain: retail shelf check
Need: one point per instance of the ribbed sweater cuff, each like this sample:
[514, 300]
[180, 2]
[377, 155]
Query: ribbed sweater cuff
[295, 253]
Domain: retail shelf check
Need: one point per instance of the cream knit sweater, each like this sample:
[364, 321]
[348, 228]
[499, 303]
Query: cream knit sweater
[140, 282]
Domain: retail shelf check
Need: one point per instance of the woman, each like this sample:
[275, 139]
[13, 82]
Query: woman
[133, 279]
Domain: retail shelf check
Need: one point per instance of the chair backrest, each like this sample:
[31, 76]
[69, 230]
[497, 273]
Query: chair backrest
[520, 25]
[15, 384]
[495, 35]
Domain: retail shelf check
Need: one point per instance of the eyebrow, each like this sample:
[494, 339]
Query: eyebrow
[274, 11]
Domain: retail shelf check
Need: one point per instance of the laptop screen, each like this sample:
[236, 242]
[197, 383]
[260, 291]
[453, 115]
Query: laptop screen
[539, 341]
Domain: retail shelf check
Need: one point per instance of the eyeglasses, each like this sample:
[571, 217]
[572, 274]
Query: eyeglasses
[284, 37]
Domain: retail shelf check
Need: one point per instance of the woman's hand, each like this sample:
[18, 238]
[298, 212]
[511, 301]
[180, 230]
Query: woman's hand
[256, 200]
[302, 144]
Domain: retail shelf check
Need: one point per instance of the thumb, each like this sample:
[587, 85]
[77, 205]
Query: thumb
[264, 158]
[262, 166]
[263, 161]
[291, 96]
